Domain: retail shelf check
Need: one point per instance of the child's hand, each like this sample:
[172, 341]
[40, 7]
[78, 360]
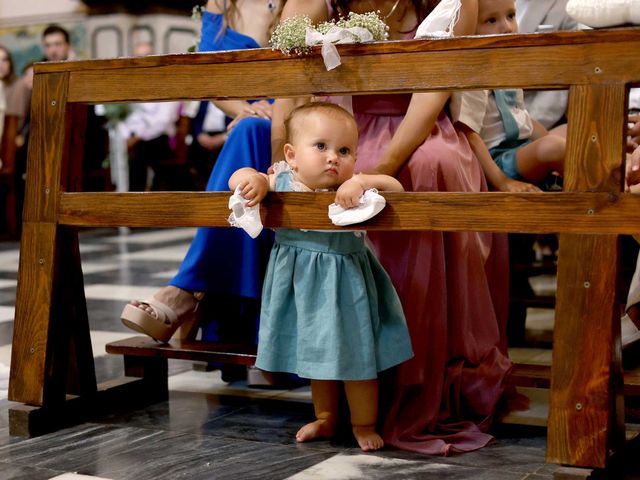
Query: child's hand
[633, 133]
[514, 186]
[349, 193]
[254, 188]
[632, 180]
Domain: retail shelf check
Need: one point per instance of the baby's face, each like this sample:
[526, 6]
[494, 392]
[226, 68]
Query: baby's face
[323, 152]
[496, 17]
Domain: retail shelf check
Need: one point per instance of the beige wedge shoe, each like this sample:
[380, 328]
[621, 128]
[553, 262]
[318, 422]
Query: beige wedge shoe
[164, 322]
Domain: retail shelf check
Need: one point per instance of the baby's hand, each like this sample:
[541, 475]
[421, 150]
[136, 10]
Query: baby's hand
[254, 188]
[515, 186]
[349, 193]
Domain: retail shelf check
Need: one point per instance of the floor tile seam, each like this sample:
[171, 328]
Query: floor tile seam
[19, 463]
[293, 445]
[189, 433]
[53, 471]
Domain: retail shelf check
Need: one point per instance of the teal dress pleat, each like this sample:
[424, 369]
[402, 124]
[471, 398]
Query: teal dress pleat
[329, 310]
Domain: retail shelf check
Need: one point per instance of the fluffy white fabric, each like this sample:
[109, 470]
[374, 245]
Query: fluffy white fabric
[440, 22]
[604, 13]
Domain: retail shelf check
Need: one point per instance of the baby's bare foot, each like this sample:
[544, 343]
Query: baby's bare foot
[367, 438]
[316, 430]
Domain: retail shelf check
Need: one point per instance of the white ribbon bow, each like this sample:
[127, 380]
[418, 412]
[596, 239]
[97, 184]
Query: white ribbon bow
[440, 22]
[336, 35]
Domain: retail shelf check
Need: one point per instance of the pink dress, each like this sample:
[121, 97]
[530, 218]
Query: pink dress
[453, 288]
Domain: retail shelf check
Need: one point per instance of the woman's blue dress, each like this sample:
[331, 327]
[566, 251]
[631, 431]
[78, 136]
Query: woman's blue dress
[226, 262]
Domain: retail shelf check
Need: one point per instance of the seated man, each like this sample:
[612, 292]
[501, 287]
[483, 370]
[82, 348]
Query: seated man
[147, 130]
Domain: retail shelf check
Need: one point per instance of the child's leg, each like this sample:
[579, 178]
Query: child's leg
[362, 397]
[324, 394]
[539, 158]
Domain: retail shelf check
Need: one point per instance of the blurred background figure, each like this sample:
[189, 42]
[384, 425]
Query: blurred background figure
[147, 130]
[56, 44]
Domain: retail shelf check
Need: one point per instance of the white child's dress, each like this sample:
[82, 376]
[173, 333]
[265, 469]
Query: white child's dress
[329, 310]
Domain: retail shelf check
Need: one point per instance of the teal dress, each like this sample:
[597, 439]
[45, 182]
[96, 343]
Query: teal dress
[329, 310]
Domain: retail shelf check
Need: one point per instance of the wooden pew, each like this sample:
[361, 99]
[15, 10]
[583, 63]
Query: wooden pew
[52, 371]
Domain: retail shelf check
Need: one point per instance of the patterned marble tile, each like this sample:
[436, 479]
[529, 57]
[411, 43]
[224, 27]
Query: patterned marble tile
[167, 254]
[117, 292]
[5, 354]
[155, 236]
[75, 476]
[7, 283]
[9, 261]
[6, 314]
[9, 471]
[373, 466]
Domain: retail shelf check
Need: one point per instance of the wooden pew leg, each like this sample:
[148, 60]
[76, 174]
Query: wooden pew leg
[586, 407]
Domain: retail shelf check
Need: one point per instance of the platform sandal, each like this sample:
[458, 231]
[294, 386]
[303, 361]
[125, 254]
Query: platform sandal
[165, 324]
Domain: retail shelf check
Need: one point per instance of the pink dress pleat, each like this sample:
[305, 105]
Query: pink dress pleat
[453, 287]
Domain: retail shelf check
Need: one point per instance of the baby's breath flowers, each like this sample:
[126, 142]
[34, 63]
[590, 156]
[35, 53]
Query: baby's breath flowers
[196, 14]
[290, 35]
[369, 21]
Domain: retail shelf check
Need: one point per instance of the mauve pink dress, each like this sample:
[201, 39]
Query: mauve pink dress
[453, 288]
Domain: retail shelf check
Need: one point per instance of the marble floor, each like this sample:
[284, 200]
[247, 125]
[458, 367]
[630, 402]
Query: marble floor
[210, 429]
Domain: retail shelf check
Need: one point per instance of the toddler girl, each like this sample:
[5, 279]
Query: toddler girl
[329, 310]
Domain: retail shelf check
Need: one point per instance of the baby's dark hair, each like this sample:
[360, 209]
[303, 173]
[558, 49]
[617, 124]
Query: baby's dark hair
[330, 108]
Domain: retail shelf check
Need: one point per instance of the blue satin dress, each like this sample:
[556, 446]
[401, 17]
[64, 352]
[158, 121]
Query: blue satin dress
[225, 262]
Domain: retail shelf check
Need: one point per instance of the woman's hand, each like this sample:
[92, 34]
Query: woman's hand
[349, 193]
[260, 109]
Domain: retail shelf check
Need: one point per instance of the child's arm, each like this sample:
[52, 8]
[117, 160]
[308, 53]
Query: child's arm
[495, 176]
[255, 185]
[349, 193]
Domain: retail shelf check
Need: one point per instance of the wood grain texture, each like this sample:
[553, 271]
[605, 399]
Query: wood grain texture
[414, 69]
[610, 36]
[46, 145]
[185, 350]
[497, 212]
[31, 342]
[586, 420]
[580, 428]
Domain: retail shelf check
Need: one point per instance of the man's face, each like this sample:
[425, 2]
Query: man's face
[55, 47]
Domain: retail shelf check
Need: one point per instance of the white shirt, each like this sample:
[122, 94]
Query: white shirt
[150, 120]
[478, 110]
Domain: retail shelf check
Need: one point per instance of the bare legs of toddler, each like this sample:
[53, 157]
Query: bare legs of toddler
[362, 397]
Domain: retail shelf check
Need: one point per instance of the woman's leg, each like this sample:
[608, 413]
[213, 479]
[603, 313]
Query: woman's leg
[362, 397]
[325, 404]
[224, 261]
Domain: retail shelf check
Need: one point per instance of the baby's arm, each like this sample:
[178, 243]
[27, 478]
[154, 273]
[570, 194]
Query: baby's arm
[495, 176]
[254, 184]
[349, 193]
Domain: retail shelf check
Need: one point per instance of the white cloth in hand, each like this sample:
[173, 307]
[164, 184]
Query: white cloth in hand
[371, 203]
[246, 218]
